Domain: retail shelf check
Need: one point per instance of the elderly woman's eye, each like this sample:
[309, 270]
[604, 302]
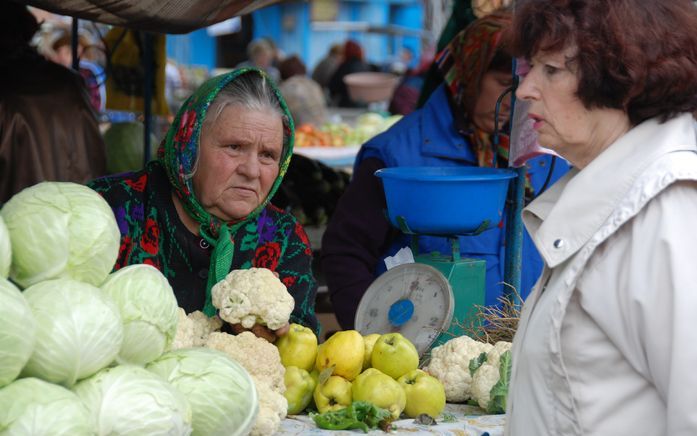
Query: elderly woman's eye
[233, 146]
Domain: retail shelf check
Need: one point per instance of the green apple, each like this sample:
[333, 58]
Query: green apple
[299, 389]
[298, 347]
[344, 352]
[369, 342]
[333, 394]
[394, 355]
[381, 390]
[425, 394]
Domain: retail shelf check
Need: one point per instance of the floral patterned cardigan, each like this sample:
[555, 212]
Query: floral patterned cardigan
[152, 233]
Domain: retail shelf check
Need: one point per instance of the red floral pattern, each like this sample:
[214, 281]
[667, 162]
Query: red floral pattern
[139, 184]
[289, 281]
[186, 128]
[124, 252]
[151, 237]
[267, 255]
[300, 232]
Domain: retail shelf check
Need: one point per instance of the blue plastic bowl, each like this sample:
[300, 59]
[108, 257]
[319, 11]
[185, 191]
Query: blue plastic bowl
[445, 200]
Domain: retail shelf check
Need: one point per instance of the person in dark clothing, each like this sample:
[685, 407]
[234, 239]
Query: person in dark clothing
[202, 209]
[353, 63]
[454, 128]
[48, 128]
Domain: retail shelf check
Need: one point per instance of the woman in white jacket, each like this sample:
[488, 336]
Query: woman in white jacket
[607, 341]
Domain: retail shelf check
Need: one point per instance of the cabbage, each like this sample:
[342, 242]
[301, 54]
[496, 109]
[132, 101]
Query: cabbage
[78, 331]
[124, 147]
[148, 309]
[30, 406]
[60, 229]
[129, 400]
[221, 393]
[5, 250]
[17, 332]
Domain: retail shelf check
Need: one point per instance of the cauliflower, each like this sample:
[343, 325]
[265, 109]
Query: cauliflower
[450, 364]
[253, 296]
[273, 408]
[258, 356]
[193, 329]
[488, 388]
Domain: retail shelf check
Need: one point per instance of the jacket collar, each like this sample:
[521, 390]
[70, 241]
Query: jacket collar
[565, 217]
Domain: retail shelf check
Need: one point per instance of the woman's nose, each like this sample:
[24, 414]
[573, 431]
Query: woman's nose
[249, 165]
[526, 89]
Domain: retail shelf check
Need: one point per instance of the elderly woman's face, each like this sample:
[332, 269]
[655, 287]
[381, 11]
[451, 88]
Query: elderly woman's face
[561, 120]
[238, 161]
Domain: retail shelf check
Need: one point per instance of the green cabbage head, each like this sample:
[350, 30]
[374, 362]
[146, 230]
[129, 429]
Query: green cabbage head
[129, 400]
[17, 332]
[221, 392]
[5, 250]
[78, 331]
[60, 229]
[148, 309]
[30, 406]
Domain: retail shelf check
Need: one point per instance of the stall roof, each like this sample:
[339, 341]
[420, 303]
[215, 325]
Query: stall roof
[163, 16]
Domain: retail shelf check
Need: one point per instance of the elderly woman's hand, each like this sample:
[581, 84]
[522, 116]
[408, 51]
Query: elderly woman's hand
[262, 331]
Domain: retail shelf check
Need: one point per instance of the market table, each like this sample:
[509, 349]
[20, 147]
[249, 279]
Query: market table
[456, 419]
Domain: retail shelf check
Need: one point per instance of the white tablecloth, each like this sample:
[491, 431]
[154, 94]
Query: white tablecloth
[456, 420]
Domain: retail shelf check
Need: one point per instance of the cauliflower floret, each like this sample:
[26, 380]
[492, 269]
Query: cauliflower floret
[258, 356]
[450, 364]
[273, 408]
[253, 296]
[483, 380]
[193, 329]
[487, 375]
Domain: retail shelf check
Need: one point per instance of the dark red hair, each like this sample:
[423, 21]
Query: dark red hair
[352, 50]
[635, 55]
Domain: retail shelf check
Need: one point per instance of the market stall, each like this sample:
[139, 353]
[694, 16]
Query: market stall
[455, 417]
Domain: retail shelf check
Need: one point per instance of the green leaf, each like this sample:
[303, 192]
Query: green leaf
[360, 415]
[325, 374]
[476, 363]
[499, 392]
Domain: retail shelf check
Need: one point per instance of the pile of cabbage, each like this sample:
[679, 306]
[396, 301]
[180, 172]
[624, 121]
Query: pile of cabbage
[85, 351]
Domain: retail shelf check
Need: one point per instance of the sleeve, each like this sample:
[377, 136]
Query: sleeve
[357, 235]
[295, 271]
[661, 297]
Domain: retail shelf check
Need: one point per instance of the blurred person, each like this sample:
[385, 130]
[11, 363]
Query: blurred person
[604, 345]
[202, 208]
[262, 55]
[406, 95]
[326, 67]
[48, 128]
[352, 62]
[303, 95]
[454, 128]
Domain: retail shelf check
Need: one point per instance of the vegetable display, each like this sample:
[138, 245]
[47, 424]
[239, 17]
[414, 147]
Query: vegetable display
[360, 415]
[60, 230]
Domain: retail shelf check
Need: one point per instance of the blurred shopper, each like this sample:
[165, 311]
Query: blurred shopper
[326, 67]
[353, 62]
[48, 128]
[303, 95]
[261, 55]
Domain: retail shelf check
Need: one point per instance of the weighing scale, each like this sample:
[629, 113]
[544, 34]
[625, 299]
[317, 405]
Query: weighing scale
[432, 300]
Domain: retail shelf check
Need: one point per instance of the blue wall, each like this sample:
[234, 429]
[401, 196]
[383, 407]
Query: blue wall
[195, 48]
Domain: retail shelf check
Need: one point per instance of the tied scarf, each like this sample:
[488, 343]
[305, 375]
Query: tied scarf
[178, 153]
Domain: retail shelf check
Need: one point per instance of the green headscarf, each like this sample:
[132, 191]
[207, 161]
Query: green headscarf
[178, 154]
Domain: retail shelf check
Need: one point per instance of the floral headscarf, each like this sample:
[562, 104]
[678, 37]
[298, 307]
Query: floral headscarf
[463, 63]
[178, 153]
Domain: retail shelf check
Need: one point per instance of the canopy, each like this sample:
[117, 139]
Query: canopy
[163, 16]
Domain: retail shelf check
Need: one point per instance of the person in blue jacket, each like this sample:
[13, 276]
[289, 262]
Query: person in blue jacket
[454, 128]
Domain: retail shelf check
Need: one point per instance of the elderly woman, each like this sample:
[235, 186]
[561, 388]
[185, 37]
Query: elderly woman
[202, 208]
[454, 128]
[606, 341]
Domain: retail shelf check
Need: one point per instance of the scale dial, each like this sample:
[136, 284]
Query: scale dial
[413, 299]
